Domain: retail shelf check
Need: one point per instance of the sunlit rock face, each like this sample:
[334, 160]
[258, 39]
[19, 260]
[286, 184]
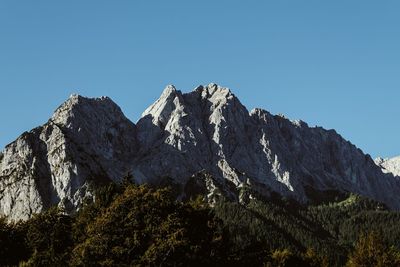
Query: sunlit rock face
[389, 165]
[207, 134]
[209, 130]
[85, 143]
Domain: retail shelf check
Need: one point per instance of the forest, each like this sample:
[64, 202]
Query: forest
[132, 225]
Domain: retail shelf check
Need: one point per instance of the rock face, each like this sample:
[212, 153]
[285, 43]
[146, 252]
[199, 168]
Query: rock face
[389, 165]
[86, 142]
[210, 130]
[203, 139]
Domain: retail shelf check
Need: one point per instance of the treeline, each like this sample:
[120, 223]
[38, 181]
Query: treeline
[131, 225]
[330, 231]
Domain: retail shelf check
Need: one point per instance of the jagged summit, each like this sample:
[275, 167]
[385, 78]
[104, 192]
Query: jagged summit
[209, 129]
[169, 89]
[171, 97]
[75, 99]
[89, 141]
[162, 108]
[80, 104]
[213, 89]
[215, 94]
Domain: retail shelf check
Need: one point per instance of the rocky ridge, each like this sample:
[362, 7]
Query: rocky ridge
[86, 141]
[205, 138]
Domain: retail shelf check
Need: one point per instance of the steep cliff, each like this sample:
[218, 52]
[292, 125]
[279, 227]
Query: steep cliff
[204, 138]
[86, 142]
[210, 130]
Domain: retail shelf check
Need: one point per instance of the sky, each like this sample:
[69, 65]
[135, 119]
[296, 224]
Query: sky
[334, 64]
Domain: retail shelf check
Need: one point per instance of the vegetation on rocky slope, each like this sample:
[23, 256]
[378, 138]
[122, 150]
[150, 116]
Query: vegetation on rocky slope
[131, 225]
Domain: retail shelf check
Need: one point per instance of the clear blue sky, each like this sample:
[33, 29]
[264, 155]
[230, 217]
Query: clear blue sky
[331, 63]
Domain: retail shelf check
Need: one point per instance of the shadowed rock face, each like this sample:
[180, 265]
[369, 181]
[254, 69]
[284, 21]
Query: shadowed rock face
[208, 131]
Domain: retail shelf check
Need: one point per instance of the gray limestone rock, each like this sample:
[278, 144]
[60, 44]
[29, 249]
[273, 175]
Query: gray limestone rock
[182, 135]
[209, 129]
[389, 165]
[86, 142]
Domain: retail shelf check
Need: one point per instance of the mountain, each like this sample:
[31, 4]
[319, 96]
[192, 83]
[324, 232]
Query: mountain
[203, 139]
[86, 141]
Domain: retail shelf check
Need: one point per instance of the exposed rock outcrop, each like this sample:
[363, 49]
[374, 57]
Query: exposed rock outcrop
[86, 142]
[389, 165]
[209, 129]
[205, 138]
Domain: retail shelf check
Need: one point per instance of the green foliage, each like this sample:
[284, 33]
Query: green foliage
[49, 238]
[371, 251]
[129, 225]
[281, 258]
[331, 230]
[143, 226]
[13, 247]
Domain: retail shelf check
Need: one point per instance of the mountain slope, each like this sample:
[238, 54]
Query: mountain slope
[86, 140]
[179, 138]
[209, 129]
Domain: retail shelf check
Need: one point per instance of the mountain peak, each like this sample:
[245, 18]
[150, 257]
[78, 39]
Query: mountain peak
[182, 134]
[170, 95]
[77, 98]
[86, 141]
[215, 88]
[214, 91]
[77, 106]
[169, 90]
[80, 99]
[161, 110]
